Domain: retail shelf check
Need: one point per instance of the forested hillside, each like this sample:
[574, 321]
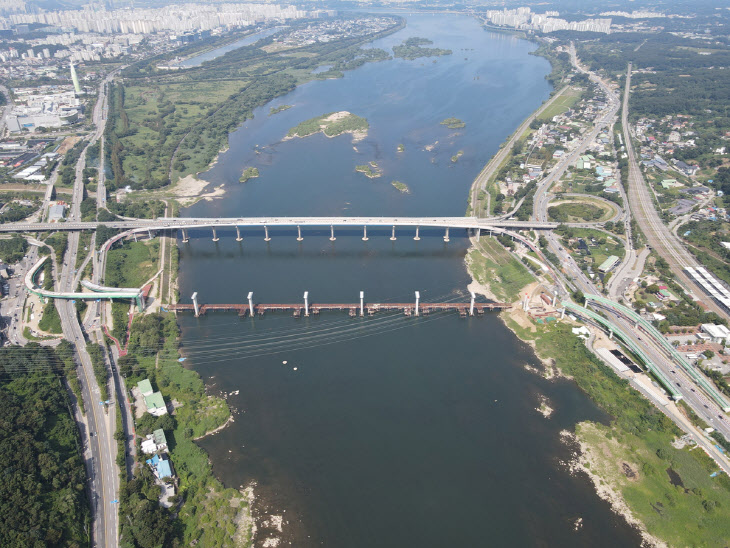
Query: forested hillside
[42, 477]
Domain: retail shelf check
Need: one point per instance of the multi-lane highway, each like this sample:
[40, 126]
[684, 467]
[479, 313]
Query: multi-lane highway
[659, 236]
[101, 418]
[655, 350]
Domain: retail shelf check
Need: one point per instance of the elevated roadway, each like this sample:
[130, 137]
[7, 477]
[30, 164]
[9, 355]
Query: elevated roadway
[702, 381]
[98, 292]
[635, 348]
[172, 223]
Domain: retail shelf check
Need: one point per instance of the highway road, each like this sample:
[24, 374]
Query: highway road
[706, 408]
[659, 236]
[104, 473]
[481, 180]
[606, 118]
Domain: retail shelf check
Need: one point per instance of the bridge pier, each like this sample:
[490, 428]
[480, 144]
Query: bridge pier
[418, 298]
[266, 234]
[362, 303]
[185, 238]
[149, 233]
[250, 304]
[299, 233]
[134, 235]
[562, 313]
[471, 305]
[238, 234]
[332, 233]
[392, 235]
[417, 238]
[215, 236]
[479, 233]
[195, 304]
[446, 236]
[306, 303]
[365, 233]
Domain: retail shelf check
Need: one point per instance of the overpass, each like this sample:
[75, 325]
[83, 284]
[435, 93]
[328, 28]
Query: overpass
[649, 328]
[97, 293]
[178, 223]
[638, 351]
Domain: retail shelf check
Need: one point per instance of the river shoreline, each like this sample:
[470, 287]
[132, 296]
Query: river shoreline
[549, 365]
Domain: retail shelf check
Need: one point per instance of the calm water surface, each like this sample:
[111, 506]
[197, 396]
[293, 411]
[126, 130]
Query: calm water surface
[384, 431]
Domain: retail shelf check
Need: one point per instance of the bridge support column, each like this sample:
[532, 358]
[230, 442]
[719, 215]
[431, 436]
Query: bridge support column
[306, 303]
[238, 234]
[610, 333]
[479, 233]
[332, 233]
[418, 298]
[471, 305]
[195, 304]
[417, 238]
[134, 235]
[266, 234]
[299, 234]
[562, 313]
[185, 237]
[215, 236]
[555, 298]
[365, 233]
[362, 303]
[250, 304]
[149, 233]
[392, 234]
[446, 236]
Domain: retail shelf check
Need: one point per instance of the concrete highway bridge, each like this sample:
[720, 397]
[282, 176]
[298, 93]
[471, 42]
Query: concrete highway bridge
[183, 224]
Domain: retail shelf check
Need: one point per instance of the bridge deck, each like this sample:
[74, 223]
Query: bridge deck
[315, 308]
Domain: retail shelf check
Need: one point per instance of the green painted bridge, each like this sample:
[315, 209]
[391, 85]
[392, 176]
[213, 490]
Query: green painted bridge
[98, 292]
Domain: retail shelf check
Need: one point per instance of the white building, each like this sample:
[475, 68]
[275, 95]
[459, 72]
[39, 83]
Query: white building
[716, 333]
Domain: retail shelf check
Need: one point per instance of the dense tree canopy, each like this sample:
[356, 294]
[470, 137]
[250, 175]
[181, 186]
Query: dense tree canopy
[42, 491]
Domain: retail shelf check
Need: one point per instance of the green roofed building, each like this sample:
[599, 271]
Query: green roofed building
[155, 404]
[608, 264]
[145, 387]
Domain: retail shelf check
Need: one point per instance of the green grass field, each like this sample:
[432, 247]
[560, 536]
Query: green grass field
[563, 103]
[133, 264]
[575, 209]
[492, 265]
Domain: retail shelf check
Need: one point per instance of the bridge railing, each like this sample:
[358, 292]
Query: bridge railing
[628, 342]
[696, 375]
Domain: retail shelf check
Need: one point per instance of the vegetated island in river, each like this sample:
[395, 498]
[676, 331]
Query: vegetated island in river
[371, 170]
[453, 123]
[277, 110]
[402, 187]
[412, 49]
[248, 173]
[332, 125]
[455, 157]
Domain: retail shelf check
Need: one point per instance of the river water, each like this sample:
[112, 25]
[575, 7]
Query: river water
[384, 431]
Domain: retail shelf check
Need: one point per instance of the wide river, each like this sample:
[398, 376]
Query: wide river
[385, 431]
